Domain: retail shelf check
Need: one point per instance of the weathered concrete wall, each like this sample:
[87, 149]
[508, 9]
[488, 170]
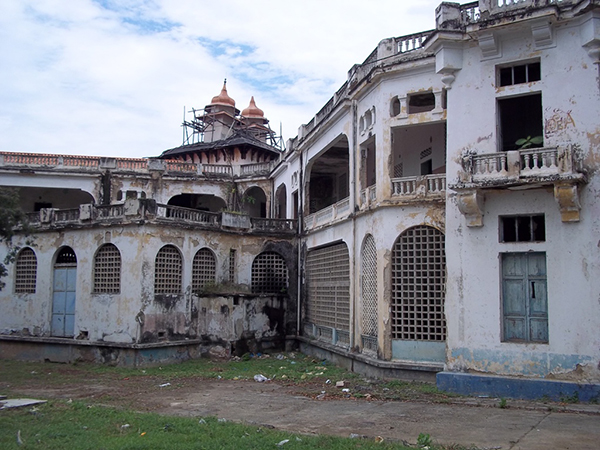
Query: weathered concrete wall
[571, 105]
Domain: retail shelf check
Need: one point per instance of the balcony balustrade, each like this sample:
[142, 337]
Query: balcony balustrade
[419, 186]
[334, 213]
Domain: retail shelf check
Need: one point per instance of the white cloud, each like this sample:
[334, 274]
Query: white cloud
[112, 77]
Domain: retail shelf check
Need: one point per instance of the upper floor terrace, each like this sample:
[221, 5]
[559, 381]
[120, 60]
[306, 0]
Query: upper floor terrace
[136, 211]
[32, 162]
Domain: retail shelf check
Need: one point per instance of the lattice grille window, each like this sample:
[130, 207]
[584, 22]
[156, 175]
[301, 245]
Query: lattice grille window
[25, 272]
[167, 271]
[203, 269]
[232, 265]
[107, 270]
[328, 282]
[269, 273]
[418, 285]
[369, 287]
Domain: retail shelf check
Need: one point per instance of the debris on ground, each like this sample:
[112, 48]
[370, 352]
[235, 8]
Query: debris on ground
[19, 402]
[260, 378]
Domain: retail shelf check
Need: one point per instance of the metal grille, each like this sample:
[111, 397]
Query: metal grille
[203, 269]
[67, 256]
[107, 270]
[167, 271]
[328, 282]
[25, 272]
[369, 287]
[269, 273]
[232, 265]
[418, 285]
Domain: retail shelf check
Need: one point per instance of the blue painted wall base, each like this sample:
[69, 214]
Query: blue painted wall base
[522, 388]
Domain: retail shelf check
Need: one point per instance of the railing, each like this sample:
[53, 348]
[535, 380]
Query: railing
[216, 169]
[335, 212]
[469, 12]
[408, 43]
[66, 215]
[419, 185]
[368, 195]
[81, 161]
[256, 169]
[30, 159]
[187, 214]
[273, 224]
[103, 212]
[515, 164]
[180, 166]
[132, 163]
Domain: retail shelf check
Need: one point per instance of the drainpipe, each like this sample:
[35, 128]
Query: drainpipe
[352, 155]
[300, 224]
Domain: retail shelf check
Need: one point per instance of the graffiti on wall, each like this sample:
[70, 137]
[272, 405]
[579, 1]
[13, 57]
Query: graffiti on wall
[557, 122]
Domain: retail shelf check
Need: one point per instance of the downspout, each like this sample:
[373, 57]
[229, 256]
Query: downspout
[353, 191]
[300, 225]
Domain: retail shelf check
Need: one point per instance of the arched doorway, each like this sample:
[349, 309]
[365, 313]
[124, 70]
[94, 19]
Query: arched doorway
[64, 293]
[254, 202]
[418, 295]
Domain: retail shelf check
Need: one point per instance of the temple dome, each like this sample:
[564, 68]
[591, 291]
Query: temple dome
[252, 111]
[223, 98]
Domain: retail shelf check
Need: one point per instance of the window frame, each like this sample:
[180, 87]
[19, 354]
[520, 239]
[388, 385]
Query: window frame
[25, 283]
[107, 274]
[531, 227]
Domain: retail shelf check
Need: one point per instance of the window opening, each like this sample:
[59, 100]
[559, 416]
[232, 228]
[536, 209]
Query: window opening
[25, 272]
[426, 167]
[524, 297]
[395, 107]
[328, 285]
[203, 269]
[418, 103]
[523, 73]
[369, 294]
[418, 285]
[269, 273]
[107, 270]
[167, 271]
[523, 228]
[520, 117]
[232, 254]
[37, 206]
[66, 256]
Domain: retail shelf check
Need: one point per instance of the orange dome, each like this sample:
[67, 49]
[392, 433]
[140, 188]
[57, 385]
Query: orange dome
[223, 98]
[252, 111]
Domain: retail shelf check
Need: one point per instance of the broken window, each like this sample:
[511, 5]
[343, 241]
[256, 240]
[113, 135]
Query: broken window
[395, 107]
[167, 271]
[25, 272]
[269, 274]
[522, 228]
[203, 269]
[107, 270]
[329, 177]
[418, 285]
[369, 294]
[524, 297]
[328, 287]
[522, 73]
[418, 103]
[520, 118]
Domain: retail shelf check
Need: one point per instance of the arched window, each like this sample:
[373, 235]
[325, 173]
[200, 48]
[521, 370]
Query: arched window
[369, 293]
[269, 273]
[107, 270]
[25, 272]
[167, 271]
[203, 269]
[418, 285]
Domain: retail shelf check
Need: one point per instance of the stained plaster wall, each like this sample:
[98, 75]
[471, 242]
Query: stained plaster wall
[136, 314]
[571, 105]
[41, 182]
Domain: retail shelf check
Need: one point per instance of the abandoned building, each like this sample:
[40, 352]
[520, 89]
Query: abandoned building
[436, 219]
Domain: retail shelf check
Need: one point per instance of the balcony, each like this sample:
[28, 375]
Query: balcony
[327, 216]
[148, 211]
[560, 167]
[425, 186]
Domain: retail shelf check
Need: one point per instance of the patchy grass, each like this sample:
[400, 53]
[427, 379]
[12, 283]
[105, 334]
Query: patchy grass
[77, 425]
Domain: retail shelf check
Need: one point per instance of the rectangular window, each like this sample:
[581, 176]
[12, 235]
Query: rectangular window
[418, 103]
[523, 228]
[232, 264]
[520, 118]
[523, 73]
[524, 297]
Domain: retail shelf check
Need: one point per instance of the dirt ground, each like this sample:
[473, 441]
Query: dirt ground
[314, 408]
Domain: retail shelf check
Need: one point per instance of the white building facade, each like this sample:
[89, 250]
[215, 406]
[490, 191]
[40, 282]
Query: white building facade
[437, 216]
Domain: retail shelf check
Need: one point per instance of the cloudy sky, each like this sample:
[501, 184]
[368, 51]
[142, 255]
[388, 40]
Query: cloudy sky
[113, 77]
